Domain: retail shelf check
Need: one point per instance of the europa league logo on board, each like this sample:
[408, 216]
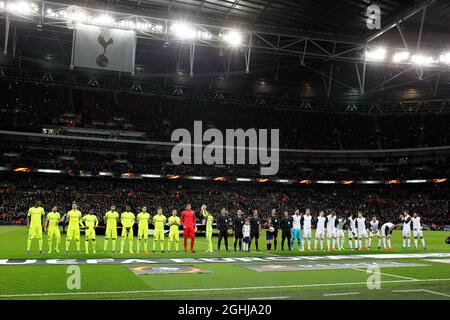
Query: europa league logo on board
[102, 59]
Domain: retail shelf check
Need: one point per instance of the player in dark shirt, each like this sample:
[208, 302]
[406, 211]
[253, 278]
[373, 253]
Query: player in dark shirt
[238, 223]
[255, 226]
[276, 225]
[223, 223]
[286, 229]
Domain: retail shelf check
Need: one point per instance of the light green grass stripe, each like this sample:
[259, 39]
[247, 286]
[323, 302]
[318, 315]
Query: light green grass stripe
[18, 295]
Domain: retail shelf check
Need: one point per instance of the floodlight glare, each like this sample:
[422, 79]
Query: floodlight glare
[445, 58]
[233, 38]
[21, 7]
[400, 56]
[378, 54]
[183, 31]
[421, 60]
[104, 20]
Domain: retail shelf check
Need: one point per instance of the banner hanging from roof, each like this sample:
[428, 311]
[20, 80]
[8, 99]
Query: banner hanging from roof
[103, 48]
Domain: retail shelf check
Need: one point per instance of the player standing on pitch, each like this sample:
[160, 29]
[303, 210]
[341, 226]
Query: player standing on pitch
[306, 223]
[238, 224]
[209, 229]
[361, 227]
[331, 231]
[320, 229]
[406, 231]
[73, 230]
[143, 217]
[51, 226]
[111, 218]
[340, 235]
[374, 231]
[34, 225]
[417, 230]
[296, 230]
[223, 223]
[174, 234]
[352, 232]
[91, 222]
[189, 223]
[127, 219]
[159, 221]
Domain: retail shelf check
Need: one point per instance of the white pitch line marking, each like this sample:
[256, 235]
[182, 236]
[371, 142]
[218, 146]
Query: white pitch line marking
[389, 274]
[209, 289]
[424, 290]
[340, 294]
[267, 298]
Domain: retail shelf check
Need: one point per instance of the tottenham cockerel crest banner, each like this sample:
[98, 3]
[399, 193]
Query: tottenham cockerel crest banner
[104, 48]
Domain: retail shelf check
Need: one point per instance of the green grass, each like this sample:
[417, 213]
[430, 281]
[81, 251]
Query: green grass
[225, 280]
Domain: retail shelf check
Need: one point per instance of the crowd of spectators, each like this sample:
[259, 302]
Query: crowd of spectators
[18, 193]
[29, 107]
[79, 159]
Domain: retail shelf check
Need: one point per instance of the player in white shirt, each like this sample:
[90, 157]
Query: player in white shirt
[374, 231]
[320, 229]
[361, 227]
[340, 235]
[306, 224]
[296, 230]
[417, 230]
[386, 233]
[331, 230]
[406, 231]
[352, 232]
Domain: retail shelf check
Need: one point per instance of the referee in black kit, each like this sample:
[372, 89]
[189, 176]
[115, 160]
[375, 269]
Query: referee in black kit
[255, 227]
[276, 225]
[223, 223]
[286, 230]
[238, 223]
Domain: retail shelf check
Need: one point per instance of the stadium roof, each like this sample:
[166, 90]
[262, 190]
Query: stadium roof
[296, 49]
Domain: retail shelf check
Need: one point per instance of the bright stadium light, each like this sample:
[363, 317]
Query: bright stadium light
[21, 7]
[104, 20]
[233, 38]
[378, 54]
[401, 56]
[183, 31]
[445, 58]
[422, 60]
[2, 5]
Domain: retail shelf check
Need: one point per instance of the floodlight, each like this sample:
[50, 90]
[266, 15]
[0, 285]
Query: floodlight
[104, 20]
[445, 58]
[183, 30]
[400, 56]
[421, 60]
[233, 38]
[378, 54]
[21, 7]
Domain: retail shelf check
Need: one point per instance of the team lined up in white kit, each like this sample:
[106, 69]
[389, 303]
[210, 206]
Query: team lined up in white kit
[358, 228]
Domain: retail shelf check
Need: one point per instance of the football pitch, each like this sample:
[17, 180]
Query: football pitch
[314, 275]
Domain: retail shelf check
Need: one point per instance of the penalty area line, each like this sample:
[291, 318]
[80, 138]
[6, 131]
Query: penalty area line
[50, 294]
[424, 290]
[389, 274]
